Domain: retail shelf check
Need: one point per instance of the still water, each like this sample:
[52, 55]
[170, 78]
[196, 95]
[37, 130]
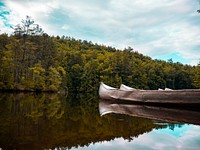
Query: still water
[55, 121]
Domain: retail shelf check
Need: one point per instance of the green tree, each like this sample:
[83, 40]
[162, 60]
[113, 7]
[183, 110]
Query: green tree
[7, 69]
[196, 81]
[38, 77]
[55, 78]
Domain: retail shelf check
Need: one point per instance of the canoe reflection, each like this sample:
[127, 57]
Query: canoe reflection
[166, 114]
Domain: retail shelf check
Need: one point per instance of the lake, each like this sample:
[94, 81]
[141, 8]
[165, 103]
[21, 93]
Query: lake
[55, 121]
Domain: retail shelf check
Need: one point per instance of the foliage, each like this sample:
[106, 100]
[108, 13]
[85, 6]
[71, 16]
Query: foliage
[197, 77]
[45, 63]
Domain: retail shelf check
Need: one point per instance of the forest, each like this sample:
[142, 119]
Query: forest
[48, 63]
[31, 60]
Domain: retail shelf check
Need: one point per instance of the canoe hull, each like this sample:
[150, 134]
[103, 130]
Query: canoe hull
[181, 97]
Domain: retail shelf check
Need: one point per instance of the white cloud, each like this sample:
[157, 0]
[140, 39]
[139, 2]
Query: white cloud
[36, 9]
[152, 27]
[186, 137]
[65, 27]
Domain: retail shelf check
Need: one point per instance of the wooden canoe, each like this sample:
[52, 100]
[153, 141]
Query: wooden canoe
[188, 97]
[170, 115]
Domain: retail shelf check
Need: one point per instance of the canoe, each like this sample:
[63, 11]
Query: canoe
[165, 114]
[189, 97]
[126, 88]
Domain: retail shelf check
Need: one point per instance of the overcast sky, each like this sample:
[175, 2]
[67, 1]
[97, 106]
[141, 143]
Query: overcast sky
[161, 29]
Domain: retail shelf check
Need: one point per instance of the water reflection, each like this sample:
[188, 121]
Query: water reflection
[49, 121]
[166, 114]
[186, 137]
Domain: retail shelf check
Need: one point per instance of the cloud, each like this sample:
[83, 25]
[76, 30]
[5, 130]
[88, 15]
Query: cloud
[185, 137]
[65, 27]
[18, 10]
[154, 28]
[4, 26]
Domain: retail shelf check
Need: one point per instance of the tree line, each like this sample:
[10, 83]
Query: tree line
[48, 63]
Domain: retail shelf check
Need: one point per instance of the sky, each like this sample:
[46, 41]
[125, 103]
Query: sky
[161, 29]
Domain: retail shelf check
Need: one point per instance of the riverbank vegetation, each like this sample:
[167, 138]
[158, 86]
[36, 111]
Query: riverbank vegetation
[47, 63]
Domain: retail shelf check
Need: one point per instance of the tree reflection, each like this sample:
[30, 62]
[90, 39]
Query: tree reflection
[47, 121]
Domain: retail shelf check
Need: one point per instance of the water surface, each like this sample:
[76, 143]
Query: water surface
[54, 121]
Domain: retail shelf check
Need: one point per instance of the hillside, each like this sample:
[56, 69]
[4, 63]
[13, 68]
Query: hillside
[47, 63]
